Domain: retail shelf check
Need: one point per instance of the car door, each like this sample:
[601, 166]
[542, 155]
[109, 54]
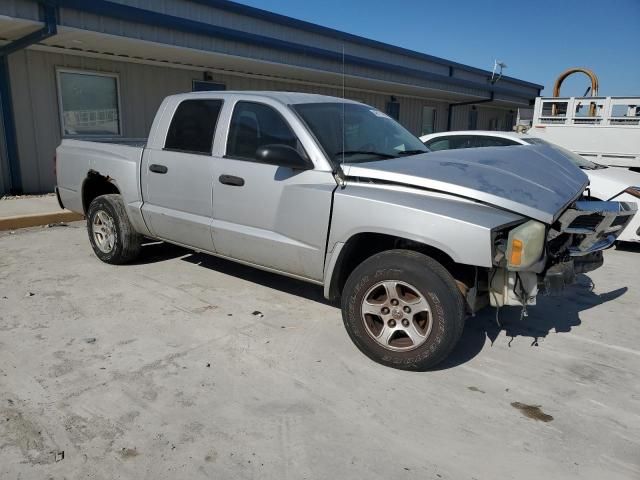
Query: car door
[177, 178]
[269, 215]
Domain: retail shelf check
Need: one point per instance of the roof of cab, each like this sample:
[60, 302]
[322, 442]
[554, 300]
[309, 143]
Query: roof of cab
[286, 98]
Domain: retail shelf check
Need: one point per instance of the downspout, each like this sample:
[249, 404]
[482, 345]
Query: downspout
[472, 102]
[6, 104]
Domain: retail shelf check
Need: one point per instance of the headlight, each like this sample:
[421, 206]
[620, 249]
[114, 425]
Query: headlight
[525, 245]
[635, 191]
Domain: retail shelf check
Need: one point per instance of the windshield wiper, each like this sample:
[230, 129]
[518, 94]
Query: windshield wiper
[412, 152]
[348, 153]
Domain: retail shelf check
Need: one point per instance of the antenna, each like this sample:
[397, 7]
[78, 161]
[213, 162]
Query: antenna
[343, 106]
[497, 74]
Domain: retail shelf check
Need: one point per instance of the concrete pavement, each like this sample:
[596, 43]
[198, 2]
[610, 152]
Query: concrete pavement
[31, 211]
[186, 366]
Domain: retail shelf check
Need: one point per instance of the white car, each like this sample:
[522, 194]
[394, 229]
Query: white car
[605, 183]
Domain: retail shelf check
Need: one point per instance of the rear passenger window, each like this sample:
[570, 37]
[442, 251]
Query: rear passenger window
[494, 142]
[255, 125]
[193, 126]
[438, 144]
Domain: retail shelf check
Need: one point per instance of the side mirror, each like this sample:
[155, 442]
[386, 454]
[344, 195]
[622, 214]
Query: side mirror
[283, 156]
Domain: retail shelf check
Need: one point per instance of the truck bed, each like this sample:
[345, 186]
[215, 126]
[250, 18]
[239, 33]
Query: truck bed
[115, 158]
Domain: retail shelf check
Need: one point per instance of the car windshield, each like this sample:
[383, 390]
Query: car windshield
[356, 133]
[574, 157]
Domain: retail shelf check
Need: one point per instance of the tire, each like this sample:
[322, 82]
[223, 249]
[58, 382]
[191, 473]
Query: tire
[111, 234]
[415, 339]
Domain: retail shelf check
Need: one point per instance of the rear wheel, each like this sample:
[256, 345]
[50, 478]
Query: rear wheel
[403, 309]
[111, 234]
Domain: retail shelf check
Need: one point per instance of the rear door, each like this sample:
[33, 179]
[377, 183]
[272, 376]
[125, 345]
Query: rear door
[269, 215]
[177, 176]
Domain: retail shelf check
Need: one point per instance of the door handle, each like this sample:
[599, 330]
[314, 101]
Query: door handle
[231, 180]
[155, 168]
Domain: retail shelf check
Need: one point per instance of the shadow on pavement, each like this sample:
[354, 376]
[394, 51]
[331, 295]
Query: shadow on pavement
[154, 251]
[552, 314]
[282, 283]
[557, 314]
[628, 246]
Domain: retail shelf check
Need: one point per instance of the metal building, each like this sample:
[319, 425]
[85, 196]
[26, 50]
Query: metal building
[79, 68]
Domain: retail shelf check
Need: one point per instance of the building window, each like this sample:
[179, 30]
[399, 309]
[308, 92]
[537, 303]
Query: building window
[89, 103]
[193, 126]
[428, 120]
[207, 86]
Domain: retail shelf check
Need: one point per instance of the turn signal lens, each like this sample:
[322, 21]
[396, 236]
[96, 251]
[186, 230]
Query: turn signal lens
[516, 252]
[525, 245]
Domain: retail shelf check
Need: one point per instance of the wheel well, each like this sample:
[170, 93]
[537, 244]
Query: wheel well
[364, 245]
[94, 186]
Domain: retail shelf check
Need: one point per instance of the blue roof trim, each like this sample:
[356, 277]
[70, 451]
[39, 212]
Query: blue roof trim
[137, 15]
[314, 27]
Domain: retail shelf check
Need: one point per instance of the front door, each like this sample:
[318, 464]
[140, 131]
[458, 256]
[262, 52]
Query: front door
[178, 179]
[269, 215]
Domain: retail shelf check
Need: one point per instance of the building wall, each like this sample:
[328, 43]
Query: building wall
[222, 18]
[4, 167]
[142, 88]
[489, 118]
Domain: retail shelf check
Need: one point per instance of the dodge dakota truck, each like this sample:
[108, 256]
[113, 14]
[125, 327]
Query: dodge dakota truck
[337, 193]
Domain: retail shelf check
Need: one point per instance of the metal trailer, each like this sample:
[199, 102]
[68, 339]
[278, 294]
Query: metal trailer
[603, 129]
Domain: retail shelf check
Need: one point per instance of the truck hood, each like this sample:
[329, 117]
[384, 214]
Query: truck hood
[535, 181]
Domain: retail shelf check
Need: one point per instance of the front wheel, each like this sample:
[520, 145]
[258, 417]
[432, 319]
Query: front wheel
[111, 234]
[403, 309]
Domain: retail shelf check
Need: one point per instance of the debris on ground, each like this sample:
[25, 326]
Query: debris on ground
[476, 389]
[208, 365]
[258, 313]
[90, 340]
[532, 411]
[59, 456]
[29, 294]
[18, 197]
[129, 452]
[58, 224]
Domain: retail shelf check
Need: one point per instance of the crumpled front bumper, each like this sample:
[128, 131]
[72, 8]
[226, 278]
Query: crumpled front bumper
[563, 274]
[594, 225]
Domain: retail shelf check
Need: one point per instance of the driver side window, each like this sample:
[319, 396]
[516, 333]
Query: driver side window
[255, 125]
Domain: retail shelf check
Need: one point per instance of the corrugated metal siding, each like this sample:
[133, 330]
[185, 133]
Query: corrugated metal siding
[460, 117]
[193, 11]
[20, 8]
[262, 26]
[4, 167]
[33, 77]
[224, 18]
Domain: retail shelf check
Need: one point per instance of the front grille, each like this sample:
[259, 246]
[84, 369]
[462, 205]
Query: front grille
[589, 222]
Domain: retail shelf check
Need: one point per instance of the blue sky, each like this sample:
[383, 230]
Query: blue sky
[537, 40]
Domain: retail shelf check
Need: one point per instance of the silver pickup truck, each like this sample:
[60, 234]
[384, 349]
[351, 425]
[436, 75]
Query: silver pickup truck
[336, 193]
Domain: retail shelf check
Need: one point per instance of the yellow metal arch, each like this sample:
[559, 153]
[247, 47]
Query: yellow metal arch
[571, 71]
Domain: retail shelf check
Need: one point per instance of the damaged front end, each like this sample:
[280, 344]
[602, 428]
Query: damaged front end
[535, 258]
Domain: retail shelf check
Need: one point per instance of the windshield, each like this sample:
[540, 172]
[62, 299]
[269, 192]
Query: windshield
[357, 133]
[574, 157]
